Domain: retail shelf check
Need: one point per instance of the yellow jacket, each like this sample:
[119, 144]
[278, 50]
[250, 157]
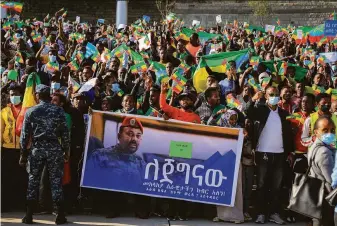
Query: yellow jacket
[8, 124]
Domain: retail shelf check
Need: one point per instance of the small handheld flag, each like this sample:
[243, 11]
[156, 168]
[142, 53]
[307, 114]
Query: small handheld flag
[72, 82]
[73, 66]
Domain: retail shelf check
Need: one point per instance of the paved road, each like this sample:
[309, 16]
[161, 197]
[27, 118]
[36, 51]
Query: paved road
[12, 219]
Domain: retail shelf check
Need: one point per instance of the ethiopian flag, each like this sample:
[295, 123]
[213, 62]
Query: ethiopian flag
[19, 58]
[217, 63]
[73, 66]
[323, 41]
[179, 35]
[283, 68]
[75, 85]
[96, 57]
[152, 112]
[138, 68]
[232, 102]
[300, 72]
[333, 93]
[295, 118]
[254, 61]
[6, 26]
[37, 37]
[106, 55]
[179, 81]
[28, 99]
[119, 51]
[18, 7]
[160, 70]
[7, 5]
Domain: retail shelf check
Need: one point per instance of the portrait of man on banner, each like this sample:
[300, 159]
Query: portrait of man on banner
[154, 157]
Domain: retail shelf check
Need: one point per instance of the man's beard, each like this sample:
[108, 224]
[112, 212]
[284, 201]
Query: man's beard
[134, 147]
[188, 107]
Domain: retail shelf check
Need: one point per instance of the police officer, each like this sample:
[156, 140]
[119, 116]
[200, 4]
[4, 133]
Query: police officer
[126, 164]
[45, 129]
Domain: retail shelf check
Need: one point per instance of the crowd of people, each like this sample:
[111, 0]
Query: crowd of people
[280, 90]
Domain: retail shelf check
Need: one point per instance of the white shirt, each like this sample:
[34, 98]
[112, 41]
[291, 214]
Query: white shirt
[306, 138]
[271, 139]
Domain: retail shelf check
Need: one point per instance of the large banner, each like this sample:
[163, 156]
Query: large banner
[153, 157]
[330, 28]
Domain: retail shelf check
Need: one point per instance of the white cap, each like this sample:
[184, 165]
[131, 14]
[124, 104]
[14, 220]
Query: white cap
[263, 75]
[121, 26]
[212, 51]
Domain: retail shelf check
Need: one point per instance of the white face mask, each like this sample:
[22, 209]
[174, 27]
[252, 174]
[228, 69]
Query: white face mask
[4, 79]
[273, 100]
[15, 100]
[55, 85]
[52, 58]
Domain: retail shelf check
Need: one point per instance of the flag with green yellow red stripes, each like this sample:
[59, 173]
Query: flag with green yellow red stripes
[217, 63]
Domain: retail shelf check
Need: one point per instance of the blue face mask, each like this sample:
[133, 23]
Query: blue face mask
[15, 100]
[306, 62]
[273, 100]
[55, 85]
[52, 58]
[333, 67]
[2, 69]
[115, 87]
[328, 138]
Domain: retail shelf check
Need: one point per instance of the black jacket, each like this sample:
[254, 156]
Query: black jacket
[259, 114]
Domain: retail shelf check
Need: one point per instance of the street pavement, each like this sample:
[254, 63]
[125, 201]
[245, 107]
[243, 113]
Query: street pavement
[14, 218]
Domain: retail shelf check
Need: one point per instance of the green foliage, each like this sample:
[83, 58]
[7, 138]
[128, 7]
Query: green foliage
[165, 7]
[261, 8]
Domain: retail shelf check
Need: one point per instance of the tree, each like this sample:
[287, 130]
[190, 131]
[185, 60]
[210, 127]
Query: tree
[165, 7]
[261, 9]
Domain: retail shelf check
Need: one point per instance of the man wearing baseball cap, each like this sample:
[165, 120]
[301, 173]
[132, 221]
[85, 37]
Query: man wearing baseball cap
[122, 163]
[186, 101]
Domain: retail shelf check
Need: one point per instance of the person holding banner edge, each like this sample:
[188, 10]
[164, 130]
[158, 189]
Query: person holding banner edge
[177, 208]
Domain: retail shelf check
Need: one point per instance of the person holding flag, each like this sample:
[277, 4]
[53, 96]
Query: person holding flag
[193, 46]
[177, 209]
[14, 178]
[273, 143]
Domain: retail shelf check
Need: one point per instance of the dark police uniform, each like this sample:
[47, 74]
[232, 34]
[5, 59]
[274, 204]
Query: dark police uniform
[127, 165]
[45, 127]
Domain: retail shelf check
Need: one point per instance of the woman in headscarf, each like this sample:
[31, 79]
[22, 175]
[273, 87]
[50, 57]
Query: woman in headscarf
[224, 118]
[229, 118]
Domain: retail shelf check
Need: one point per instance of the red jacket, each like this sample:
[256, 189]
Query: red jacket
[176, 113]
